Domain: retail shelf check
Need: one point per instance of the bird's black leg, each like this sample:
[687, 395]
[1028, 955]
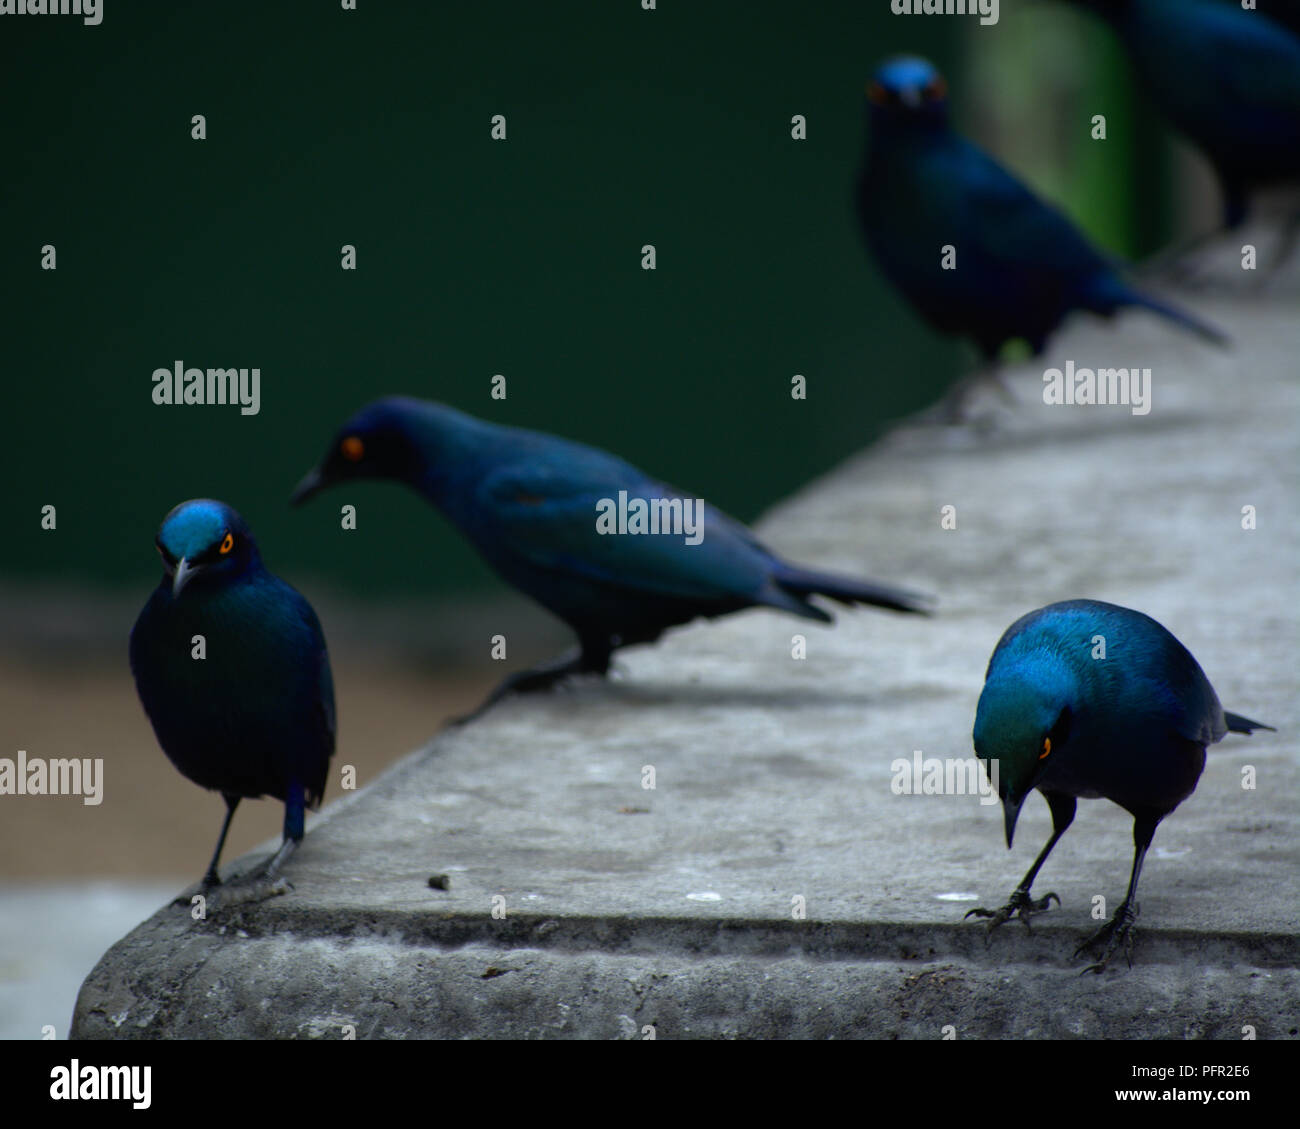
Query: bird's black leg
[1020, 904]
[211, 879]
[1181, 264]
[264, 884]
[954, 410]
[1119, 929]
[590, 657]
[232, 802]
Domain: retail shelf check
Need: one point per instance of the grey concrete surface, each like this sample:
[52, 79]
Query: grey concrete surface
[631, 912]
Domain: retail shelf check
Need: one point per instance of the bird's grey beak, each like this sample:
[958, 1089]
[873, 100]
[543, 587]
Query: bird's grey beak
[1010, 813]
[182, 576]
[911, 97]
[312, 483]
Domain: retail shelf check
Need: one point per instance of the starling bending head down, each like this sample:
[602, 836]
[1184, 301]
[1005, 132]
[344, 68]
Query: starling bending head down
[1087, 699]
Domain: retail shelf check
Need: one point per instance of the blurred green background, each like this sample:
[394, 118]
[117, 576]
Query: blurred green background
[476, 257]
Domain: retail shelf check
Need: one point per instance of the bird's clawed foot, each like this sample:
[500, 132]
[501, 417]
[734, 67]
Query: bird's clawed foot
[210, 883]
[1020, 905]
[1117, 932]
[259, 889]
[957, 408]
[224, 896]
[277, 860]
[256, 887]
[186, 898]
[537, 679]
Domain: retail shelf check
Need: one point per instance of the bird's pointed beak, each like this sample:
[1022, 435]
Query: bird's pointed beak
[312, 483]
[1010, 813]
[182, 576]
[911, 97]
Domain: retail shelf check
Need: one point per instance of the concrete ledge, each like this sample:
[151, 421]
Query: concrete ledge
[608, 978]
[673, 907]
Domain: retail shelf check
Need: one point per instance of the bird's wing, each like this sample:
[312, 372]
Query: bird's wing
[1003, 221]
[1197, 714]
[329, 718]
[547, 513]
[1257, 64]
[309, 650]
[1167, 675]
[1271, 90]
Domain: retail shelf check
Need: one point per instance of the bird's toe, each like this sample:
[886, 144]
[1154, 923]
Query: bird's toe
[1116, 934]
[1020, 905]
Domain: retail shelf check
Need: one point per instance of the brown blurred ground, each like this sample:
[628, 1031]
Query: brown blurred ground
[153, 822]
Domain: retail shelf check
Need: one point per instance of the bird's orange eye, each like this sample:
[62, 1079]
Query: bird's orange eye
[227, 543]
[1047, 747]
[877, 94]
[353, 449]
[935, 89]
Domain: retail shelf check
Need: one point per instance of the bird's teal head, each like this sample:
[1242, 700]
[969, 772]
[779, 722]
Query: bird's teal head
[1023, 723]
[377, 442]
[205, 541]
[908, 89]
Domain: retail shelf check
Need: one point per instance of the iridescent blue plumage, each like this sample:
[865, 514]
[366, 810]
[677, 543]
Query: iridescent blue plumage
[1226, 77]
[1088, 699]
[1016, 267]
[248, 709]
[528, 502]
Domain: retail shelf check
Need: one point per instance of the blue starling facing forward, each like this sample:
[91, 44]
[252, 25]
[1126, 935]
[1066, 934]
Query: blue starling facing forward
[1090, 699]
[529, 501]
[1020, 266]
[254, 716]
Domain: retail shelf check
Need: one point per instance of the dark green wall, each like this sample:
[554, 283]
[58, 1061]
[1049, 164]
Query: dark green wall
[371, 127]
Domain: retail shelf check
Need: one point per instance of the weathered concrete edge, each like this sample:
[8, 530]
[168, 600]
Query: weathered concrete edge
[379, 984]
[262, 971]
[703, 937]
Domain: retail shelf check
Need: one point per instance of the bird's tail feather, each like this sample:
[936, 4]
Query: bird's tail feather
[806, 582]
[1202, 329]
[1239, 724]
